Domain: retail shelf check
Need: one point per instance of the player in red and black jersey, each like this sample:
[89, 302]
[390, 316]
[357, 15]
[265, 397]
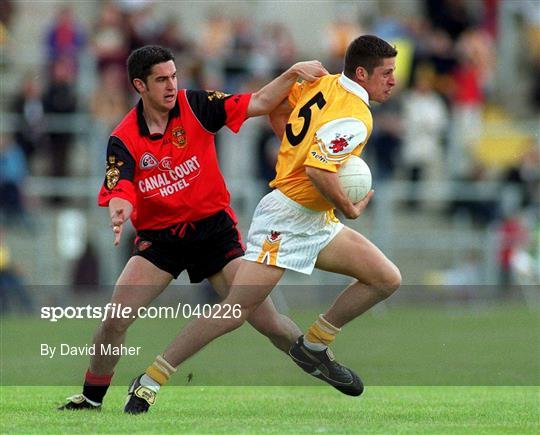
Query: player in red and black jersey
[162, 173]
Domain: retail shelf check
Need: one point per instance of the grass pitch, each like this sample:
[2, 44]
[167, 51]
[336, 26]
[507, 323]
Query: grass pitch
[432, 369]
[284, 410]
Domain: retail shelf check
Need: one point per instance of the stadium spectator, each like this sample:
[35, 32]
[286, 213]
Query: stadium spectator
[526, 176]
[424, 123]
[60, 98]
[216, 35]
[513, 236]
[109, 102]
[66, 38]
[30, 123]
[466, 114]
[339, 34]
[108, 105]
[142, 24]
[452, 16]
[274, 51]
[386, 139]
[7, 9]
[238, 59]
[172, 36]
[437, 50]
[109, 38]
[13, 294]
[86, 271]
[13, 172]
[294, 226]
[185, 220]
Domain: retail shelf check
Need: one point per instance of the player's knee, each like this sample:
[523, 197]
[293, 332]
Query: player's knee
[387, 282]
[115, 326]
[238, 318]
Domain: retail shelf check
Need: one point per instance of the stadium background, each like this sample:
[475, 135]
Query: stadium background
[460, 217]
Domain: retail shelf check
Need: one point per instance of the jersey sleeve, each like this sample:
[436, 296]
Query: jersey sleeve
[119, 174]
[334, 142]
[214, 109]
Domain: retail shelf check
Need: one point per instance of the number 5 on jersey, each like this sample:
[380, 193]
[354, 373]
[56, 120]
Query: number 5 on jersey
[304, 112]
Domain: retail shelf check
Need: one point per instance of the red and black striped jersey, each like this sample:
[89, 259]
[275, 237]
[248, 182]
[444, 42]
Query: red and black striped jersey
[173, 177]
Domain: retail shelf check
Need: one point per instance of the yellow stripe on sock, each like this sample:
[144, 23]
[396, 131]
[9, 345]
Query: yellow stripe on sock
[157, 374]
[160, 370]
[316, 334]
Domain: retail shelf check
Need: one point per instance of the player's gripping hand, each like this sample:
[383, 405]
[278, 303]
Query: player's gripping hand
[119, 211]
[309, 70]
[359, 207]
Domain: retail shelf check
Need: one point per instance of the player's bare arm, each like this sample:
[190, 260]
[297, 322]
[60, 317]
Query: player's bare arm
[119, 211]
[328, 184]
[279, 117]
[266, 99]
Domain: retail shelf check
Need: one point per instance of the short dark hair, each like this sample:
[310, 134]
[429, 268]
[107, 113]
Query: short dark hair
[367, 51]
[141, 61]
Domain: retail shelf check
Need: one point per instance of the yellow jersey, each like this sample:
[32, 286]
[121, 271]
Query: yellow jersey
[330, 121]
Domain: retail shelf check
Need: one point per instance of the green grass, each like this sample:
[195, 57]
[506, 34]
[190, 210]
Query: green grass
[496, 345]
[433, 369]
[284, 410]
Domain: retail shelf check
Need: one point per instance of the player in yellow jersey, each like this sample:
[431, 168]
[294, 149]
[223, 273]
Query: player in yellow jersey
[294, 227]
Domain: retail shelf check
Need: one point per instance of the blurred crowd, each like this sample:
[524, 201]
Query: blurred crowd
[429, 130]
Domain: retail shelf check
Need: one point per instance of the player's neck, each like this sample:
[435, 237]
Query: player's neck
[156, 120]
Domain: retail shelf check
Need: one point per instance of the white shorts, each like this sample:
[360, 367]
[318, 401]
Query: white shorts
[286, 234]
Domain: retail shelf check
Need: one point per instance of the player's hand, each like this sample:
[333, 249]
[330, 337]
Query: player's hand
[359, 207]
[309, 70]
[119, 211]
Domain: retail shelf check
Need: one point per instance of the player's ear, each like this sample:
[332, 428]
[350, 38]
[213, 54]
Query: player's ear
[139, 85]
[361, 74]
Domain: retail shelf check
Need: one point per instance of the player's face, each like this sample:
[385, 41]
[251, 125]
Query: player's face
[380, 82]
[161, 86]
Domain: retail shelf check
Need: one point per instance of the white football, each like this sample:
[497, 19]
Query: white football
[355, 177]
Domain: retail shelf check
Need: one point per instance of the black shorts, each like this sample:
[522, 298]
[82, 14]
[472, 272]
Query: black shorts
[202, 247]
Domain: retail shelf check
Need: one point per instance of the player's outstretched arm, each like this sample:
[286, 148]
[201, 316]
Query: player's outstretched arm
[266, 99]
[119, 211]
[328, 184]
[279, 117]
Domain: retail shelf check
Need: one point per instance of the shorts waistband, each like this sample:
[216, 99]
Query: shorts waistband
[284, 199]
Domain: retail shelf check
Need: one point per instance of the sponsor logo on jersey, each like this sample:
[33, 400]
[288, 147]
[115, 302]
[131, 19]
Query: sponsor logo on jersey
[319, 157]
[165, 163]
[171, 180]
[148, 161]
[179, 137]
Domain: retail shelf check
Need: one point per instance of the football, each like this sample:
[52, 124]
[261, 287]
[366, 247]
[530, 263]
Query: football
[355, 177]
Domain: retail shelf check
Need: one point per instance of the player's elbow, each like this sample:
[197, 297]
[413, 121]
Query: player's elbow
[259, 104]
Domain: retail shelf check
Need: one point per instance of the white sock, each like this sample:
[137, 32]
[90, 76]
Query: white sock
[91, 402]
[147, 381]
[317, 347]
